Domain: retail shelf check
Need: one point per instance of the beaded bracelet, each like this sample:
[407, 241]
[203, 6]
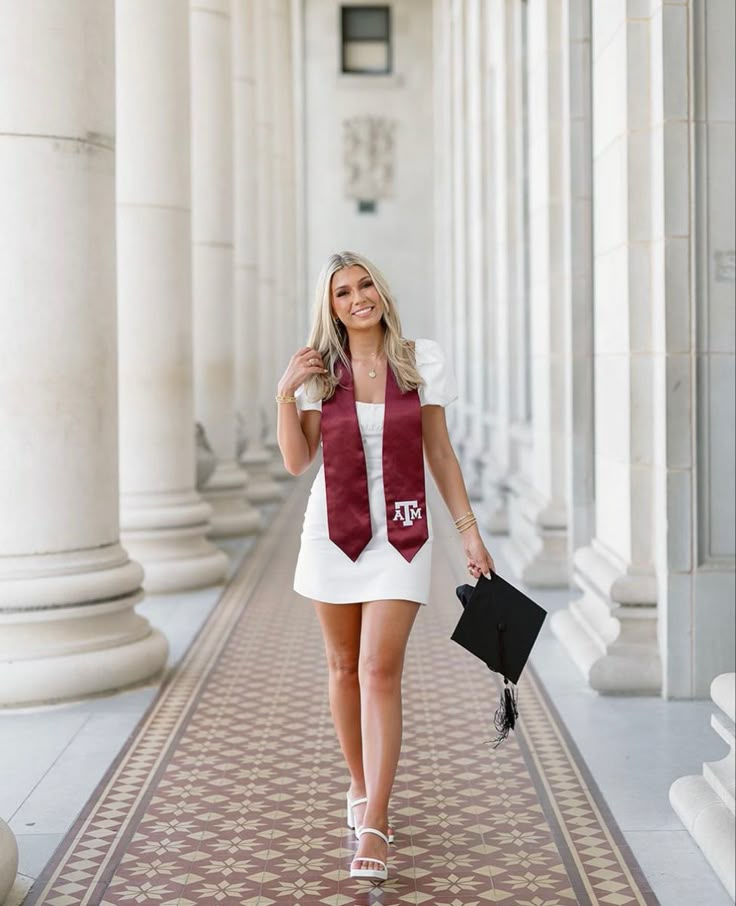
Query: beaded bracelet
[284, 399]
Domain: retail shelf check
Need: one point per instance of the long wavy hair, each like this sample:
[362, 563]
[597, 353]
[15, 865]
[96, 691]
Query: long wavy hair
[329, 337]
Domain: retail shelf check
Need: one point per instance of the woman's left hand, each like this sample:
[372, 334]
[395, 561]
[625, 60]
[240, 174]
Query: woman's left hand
[479, 560]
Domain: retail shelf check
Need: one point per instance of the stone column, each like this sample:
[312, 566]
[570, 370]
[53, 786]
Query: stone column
[516, 353]
[695, 619]
[163, 519]
[262, 487]
[68, 627]
[610, 631]
[537, 550]
[212, 266]
[281, 137]
[298, 75]
[292, 328]
[705, 802]
[443, 265]
[502, 132]
[265, 101]
[694, 334]
[503, 128]
[477, 251]
[578, 275]
[8, 860]
[258, 456]
[459, 248]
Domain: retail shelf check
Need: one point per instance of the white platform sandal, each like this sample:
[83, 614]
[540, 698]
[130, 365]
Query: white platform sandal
[375, 874]
[351, 817]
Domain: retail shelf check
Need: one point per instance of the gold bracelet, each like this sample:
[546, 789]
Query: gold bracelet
[468, 520]
[463, 519]
[464, 516]
[284, 399]
[469, 525]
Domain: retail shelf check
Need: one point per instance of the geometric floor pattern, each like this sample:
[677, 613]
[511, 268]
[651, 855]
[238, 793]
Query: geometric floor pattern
[231, 789]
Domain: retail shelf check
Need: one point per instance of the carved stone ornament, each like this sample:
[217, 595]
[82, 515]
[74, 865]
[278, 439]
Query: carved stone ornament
[369, 145]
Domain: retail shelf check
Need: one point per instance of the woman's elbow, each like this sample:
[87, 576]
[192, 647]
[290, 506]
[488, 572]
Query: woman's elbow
[439, 458]
[296, 467]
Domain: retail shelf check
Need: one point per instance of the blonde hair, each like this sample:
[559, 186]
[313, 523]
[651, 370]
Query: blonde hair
[328, 335]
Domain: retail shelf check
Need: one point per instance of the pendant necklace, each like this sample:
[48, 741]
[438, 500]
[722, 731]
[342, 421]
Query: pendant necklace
[372, 372]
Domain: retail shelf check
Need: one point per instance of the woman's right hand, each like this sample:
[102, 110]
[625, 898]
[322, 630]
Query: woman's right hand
[302, 365]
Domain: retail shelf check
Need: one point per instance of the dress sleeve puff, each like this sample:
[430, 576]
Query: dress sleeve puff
[303, 403]
[440, 387]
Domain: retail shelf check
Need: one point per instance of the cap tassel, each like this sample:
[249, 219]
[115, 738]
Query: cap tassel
[504, 720]
[506, 715]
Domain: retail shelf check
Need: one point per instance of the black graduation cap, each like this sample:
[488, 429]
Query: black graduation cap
[499, 625]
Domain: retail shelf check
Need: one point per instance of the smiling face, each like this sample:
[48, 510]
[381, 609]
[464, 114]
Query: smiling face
[355, 298]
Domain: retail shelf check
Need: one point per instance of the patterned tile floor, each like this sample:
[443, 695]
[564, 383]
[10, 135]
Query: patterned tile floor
[231, 790]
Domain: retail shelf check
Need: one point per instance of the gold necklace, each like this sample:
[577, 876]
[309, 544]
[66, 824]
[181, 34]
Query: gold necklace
[372, 372]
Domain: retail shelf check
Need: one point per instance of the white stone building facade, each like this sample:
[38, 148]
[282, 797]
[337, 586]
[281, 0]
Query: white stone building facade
[548, 185]
[585, 240]
[592, 273]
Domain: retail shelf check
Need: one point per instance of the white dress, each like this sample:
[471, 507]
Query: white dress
[323, 571]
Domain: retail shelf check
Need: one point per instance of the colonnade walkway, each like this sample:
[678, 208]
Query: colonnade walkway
[230, 789]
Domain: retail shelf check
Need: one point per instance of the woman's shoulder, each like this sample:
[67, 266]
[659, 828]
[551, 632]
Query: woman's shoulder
[436, 372]
[427, 350]
[304, 402]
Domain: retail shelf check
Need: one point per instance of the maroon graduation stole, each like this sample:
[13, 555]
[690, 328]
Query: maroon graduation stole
[346, 477]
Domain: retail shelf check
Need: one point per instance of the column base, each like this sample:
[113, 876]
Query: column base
[262, 486]
[45, 681]
[537, 546]
[705, 803]
[611, 631]
[69, 628]
[166, 533]
[710, 824]
[233, 514]
[8, 860]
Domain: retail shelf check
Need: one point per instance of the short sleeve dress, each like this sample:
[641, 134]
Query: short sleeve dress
[323, 571]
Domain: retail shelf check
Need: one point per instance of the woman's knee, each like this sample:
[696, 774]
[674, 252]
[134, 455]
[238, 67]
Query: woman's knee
[379, 672]
[343, 666]
[341, 633]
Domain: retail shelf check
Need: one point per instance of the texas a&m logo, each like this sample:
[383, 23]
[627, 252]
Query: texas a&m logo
[407, 511]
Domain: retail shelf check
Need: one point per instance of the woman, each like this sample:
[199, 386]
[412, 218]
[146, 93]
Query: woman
[375, 400]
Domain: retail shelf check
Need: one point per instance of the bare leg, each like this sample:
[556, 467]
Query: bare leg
[341, 631]
[384, 636]
[341, 628]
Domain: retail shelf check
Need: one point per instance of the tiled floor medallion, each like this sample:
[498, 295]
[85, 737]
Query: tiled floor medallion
[231, 790]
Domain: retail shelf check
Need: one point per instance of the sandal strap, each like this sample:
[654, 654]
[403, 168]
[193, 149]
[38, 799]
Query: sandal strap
[358, 801]
[366, 859]
[378, 833]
